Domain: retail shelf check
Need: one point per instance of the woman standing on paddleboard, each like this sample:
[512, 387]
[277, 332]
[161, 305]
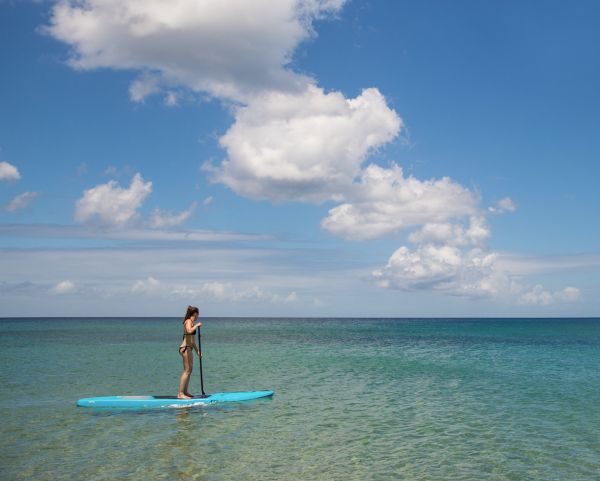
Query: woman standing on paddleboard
[188, 344]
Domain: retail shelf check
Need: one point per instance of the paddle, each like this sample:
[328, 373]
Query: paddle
[200, 360]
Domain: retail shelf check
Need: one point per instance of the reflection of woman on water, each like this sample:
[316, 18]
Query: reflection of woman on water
[188, 344]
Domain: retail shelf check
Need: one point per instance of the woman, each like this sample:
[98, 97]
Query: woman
[188, 344]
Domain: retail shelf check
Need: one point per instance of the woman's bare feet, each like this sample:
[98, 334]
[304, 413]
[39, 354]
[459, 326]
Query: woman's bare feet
[183, 396]
[188, 394]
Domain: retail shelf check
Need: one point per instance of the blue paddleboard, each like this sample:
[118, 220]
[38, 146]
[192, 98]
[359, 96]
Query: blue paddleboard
[168, 401]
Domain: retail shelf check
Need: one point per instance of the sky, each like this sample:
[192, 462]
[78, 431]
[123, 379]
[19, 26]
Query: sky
[301, 158]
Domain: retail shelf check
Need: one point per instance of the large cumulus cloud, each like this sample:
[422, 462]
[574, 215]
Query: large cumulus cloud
[230, 49]
[304, 146]
[384, 201]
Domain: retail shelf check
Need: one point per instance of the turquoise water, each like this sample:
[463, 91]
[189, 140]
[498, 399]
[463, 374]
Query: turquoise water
[355, 399]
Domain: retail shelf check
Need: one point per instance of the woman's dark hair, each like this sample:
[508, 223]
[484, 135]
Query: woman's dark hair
[191, 310]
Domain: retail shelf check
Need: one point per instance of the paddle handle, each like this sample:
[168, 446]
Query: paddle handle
[200, 361]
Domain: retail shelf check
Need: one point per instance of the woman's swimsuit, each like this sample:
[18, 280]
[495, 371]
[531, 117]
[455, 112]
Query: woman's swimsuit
[188, 340]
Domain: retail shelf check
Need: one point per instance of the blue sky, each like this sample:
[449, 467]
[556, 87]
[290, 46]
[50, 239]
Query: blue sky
[303, 158]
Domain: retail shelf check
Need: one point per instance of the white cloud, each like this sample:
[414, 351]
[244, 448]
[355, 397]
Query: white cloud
[208, 201]
[384, 202]
[161, 219]
[570, 294]
[538, 296]
[171, 99]
[111, 170]
[470, 273]
[305, 146]
[453, 234]
[20, 202]
[64, 287]
[111, 205]
[117, 172]
[453, 259]
[212, 291]
[229, 49]
[143, 87]
[9, 172]
[227, 291]
[146, 286]
[459, 271]
[503, 206]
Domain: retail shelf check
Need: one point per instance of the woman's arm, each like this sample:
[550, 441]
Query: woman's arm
[190, 327]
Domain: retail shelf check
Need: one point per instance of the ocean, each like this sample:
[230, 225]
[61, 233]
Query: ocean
[355, 399]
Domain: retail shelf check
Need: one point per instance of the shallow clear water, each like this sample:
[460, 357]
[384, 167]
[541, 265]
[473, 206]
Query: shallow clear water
[356, 399]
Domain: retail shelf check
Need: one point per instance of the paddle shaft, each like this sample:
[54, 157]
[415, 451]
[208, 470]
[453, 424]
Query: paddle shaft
[200, 361]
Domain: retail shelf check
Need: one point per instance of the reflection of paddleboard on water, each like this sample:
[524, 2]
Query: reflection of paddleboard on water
[172, 401]
[169, 401]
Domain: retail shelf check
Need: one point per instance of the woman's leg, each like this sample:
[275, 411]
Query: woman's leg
[184, 381]
[189, 352]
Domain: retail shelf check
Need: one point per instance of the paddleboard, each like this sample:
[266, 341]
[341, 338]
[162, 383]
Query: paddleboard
[169, 401]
